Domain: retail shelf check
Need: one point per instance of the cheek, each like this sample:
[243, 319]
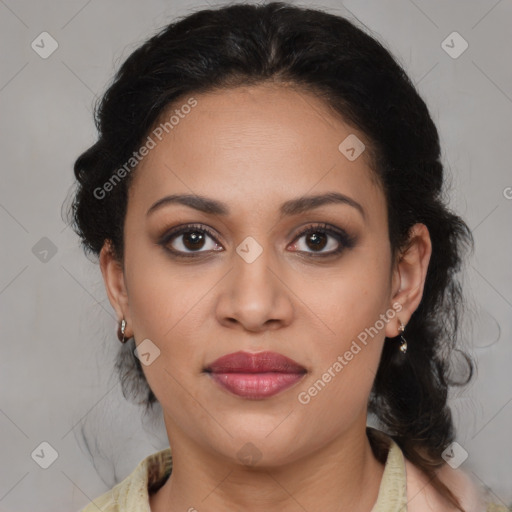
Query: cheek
[335, 399]
[165, 305]
[350, 303]
[162, 294]
[165, 309]
[347, 299]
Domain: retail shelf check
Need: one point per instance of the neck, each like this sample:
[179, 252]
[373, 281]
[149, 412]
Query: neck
[343, 475]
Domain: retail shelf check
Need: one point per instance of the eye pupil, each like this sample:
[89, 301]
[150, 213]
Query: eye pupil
[195, 238]
[319, 242]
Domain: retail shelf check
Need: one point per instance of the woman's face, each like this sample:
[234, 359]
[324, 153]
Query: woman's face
[252, 282]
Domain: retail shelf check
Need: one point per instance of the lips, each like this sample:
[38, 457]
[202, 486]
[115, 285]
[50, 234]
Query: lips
[261, 362]
[255, 376]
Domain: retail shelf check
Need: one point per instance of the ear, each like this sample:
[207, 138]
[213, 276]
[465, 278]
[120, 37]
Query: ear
[113, 277]
[409, 276]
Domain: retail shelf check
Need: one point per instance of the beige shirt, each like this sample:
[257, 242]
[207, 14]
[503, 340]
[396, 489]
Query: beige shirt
[132, 494]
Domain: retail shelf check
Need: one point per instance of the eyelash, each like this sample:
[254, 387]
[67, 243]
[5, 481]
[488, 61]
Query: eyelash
[344, 239]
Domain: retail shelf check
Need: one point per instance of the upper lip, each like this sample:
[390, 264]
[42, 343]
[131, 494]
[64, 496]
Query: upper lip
[246, 362]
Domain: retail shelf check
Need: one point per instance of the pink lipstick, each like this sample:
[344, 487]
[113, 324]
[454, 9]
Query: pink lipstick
[255, 376]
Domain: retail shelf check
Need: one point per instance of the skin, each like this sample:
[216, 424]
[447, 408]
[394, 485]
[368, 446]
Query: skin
[254, 148]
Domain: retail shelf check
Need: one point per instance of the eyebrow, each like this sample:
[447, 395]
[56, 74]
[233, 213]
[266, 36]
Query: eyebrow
[288, 208]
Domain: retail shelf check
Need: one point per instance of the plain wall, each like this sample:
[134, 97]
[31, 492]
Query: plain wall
[58, 329]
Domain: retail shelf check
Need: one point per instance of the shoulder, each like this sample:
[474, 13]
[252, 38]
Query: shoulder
[423, 497]
[132, 493]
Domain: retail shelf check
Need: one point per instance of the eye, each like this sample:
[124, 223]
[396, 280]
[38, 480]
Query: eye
[323, 240]
[193, 239]
[190, 239]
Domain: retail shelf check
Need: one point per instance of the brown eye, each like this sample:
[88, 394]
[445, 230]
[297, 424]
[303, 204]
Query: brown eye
[317, 241]
[188, 240]
[322, 240]
[193, 240]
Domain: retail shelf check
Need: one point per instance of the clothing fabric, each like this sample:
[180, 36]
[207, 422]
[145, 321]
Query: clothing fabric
[132, 493]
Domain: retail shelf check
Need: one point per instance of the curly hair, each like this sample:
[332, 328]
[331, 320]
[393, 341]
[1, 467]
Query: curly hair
[359, 79]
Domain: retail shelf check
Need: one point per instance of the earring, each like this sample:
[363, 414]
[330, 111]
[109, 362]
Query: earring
[120, 331]
[403, 345]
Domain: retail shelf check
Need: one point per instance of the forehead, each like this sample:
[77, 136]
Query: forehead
[251, 146]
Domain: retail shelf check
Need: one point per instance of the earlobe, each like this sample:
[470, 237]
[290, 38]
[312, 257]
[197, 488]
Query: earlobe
[410, 274]
[113, 277]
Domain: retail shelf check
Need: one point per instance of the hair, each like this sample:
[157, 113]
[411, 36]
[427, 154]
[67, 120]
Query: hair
[359, 80]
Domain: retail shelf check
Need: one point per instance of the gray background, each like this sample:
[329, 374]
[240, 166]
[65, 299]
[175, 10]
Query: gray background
[58, 329]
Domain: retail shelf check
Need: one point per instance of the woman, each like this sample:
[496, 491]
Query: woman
[265, 199]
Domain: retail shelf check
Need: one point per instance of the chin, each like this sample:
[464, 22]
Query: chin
[268, 444]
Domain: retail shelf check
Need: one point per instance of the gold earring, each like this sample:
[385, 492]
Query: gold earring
[120, 331]
[403, 345]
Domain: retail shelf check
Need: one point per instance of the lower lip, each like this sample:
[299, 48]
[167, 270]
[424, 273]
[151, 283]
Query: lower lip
[256, 385]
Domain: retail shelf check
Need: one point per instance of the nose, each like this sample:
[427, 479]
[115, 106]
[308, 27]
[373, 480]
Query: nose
[253, 296]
